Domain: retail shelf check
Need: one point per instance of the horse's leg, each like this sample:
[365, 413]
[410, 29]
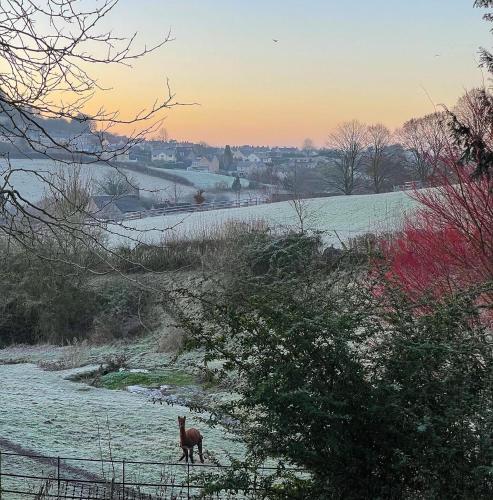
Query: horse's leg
[183, 456]
[191, 454]
[199, 446]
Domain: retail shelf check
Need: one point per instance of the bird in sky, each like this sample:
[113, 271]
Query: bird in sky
[438, 55]
[275, 41]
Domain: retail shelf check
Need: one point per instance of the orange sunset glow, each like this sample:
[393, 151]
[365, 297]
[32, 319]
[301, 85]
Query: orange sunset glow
[249, 89]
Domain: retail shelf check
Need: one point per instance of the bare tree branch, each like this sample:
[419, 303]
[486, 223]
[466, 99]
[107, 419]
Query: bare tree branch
[350, 142]
[48, 51]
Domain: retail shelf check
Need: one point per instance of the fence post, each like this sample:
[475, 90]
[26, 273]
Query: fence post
[123, 479]
[58, 476]
[188, 480]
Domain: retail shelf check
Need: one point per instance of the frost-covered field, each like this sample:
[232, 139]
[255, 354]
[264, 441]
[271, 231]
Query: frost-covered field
[33, 188]
[42, 411]
[338, 217]
[204, 180]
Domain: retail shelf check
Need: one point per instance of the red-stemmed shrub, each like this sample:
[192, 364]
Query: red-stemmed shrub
[446, 246]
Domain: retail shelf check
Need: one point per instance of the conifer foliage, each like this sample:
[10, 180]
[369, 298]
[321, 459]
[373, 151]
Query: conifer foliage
[475, 148]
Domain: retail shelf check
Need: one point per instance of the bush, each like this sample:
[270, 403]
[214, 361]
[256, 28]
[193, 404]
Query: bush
[208, 249]
[371, 401]
[172, 339]
[286, 254]
[122, 306]
[447, 246]
[43, 301]
[170, 256]
[55, 301]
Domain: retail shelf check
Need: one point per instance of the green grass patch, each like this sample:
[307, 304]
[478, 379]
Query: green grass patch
[120, 380]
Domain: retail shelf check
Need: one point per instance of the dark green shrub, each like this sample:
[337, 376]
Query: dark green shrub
[55, 301]
[280, 255]
[372, 399]
[43, 300]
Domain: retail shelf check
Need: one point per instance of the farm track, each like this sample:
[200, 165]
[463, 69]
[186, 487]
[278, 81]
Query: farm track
[8, 446]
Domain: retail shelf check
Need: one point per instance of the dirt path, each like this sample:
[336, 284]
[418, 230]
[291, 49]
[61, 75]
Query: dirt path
[70, 471]
[75, 483]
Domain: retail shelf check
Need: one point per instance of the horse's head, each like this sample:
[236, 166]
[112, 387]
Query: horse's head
[181, 422]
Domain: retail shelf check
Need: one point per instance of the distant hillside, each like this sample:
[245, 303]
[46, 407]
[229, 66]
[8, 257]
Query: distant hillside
[338, 218]
[169, 175]
[202, 180]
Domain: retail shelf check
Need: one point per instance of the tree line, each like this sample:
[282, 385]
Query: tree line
[374, 157]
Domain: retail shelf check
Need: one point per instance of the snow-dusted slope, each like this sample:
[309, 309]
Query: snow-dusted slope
[42, 411]
[339, 217]
[32, 187]
[204, 180]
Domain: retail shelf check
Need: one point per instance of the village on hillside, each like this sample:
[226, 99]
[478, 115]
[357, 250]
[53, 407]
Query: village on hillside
[246, 250]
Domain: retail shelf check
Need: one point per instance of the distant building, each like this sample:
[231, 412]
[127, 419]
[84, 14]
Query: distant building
[265, 157]
[88, 142]
[247, 168]
[122, 157]
[139, 153]
[254, 158]
[215, 164]
[238, 155]
[114, 207]
[205, 164]
[167, 156]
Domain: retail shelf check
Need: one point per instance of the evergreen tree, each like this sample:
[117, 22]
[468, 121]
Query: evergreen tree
[236, 186]
[474, 147]
[228, 160]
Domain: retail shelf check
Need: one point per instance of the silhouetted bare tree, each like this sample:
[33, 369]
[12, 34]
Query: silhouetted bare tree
[350, 141]
[486, 56]
[308, 145]
[50, 49]
[426, 139]
[473, 111]
[378, 164]
[471, 122]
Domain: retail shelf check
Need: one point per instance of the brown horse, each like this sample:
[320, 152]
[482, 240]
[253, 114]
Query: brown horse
[188, 439]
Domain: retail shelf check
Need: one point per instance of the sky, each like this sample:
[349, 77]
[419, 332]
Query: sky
[377, 61]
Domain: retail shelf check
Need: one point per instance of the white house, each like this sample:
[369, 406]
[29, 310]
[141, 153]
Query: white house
[254, 158]
[239, 156]
[164, 156]
[204, 164]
